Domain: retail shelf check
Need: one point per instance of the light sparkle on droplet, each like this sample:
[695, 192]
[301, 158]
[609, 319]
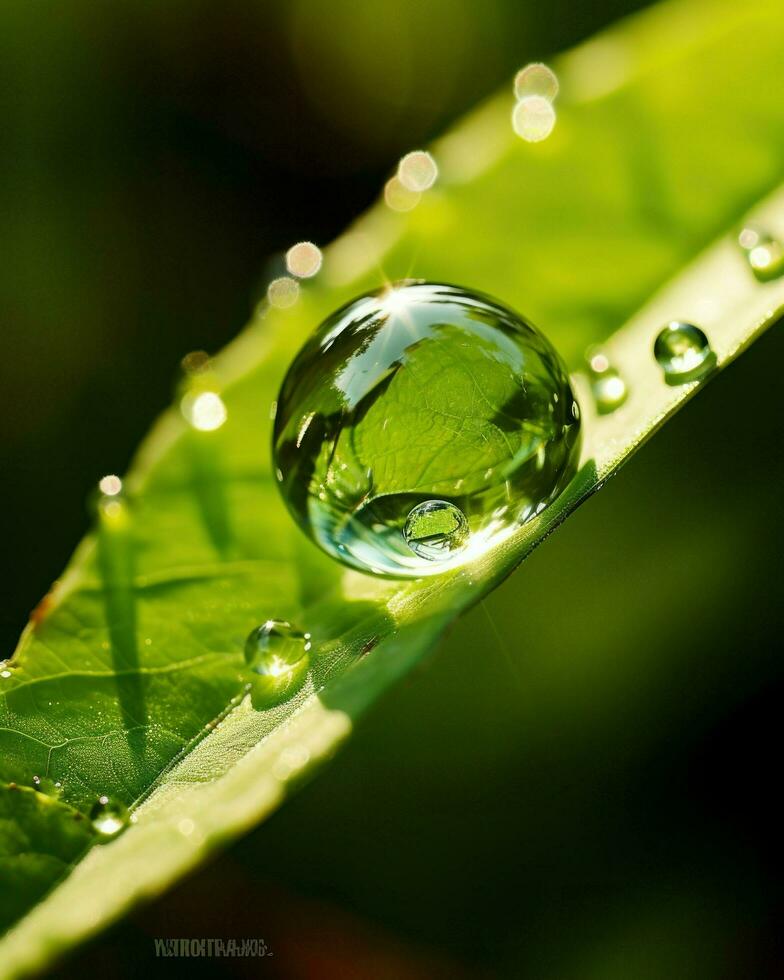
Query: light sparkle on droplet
[417, 171]
[533, 118]
[303, 260]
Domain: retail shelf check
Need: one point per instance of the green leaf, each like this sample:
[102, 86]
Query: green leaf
[130, 679]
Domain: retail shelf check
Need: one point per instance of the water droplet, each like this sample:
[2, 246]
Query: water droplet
[684, 353]
[109, 816]
[417, 171]
[275, 648]
[607, 386]
[277, 655]
[533, 118]
[283, 292]
[303, 260]
[536, 79]
[435, 530]
[765, 254]
[421, 394]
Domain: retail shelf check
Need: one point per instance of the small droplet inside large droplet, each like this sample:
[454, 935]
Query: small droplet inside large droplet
[435, 530]
[684, 353]
[422, 393]
[533, 118]
[109, 816]
[536, 79]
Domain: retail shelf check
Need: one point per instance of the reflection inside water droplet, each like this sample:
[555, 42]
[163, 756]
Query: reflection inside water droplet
[435, 530]
[684, 352]
[109, 816]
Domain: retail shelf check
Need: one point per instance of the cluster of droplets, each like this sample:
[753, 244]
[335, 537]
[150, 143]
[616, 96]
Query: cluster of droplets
[535, 88]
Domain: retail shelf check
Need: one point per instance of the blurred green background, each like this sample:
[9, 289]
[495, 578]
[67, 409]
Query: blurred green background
[581, 783]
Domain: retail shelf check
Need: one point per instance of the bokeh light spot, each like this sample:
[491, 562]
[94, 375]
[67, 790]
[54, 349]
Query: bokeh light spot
[536, 79]
[417, 171]
[303, 260]
[533, 118]
[283, 292]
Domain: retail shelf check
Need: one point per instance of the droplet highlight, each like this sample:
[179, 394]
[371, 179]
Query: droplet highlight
[417, 394]
[536, 79]
[683, 352]
[435, 530]
[533, 118]
[109, 817]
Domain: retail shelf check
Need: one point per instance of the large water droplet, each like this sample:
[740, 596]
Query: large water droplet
[109, 816]
[435, 530]
[421, 394]
[684, 353]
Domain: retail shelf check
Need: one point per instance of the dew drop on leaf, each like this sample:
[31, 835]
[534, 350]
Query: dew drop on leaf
[764, 253]
[422, 394]
[275, 648]
[109, 816]
[607, 386]
[683, 352]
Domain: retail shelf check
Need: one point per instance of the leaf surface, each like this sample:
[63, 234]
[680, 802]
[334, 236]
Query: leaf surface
[129, 680]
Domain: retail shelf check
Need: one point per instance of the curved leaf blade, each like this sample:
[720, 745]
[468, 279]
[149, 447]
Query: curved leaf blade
[165, 724]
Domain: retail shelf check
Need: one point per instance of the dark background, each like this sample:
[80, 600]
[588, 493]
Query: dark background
[587, 794]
